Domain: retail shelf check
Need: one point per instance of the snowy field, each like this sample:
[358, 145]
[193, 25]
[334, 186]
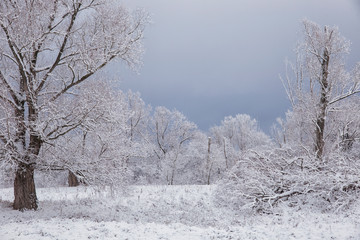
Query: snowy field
[160, 212]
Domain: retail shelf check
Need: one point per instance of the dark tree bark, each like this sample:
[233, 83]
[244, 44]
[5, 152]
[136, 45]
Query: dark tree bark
[208, 160]
[324, 102]
[24, 184]
[73, 181]
[24, 188]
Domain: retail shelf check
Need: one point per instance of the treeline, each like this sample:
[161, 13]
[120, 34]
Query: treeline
[121, 140]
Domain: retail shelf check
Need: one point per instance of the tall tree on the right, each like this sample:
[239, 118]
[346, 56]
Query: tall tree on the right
[321, 81]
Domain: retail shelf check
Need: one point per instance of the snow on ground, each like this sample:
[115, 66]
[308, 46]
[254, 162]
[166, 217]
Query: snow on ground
[160, 212]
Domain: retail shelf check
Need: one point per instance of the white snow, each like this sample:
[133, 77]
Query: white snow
[160, 212]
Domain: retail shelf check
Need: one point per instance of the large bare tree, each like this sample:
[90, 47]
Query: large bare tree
[47, 49]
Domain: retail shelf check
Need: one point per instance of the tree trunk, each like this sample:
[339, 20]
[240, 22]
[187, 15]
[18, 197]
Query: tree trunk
[225, 154]
[324, 102]
[73, 181]
[208, 160]
[320, 143]
[24, 189]
[209, 174]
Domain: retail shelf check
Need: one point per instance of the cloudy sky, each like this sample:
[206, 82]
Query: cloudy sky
[214, 58]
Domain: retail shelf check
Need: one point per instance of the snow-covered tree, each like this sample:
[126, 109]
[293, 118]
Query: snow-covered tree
[98, 150]
[171, 131]
[206, 159]
[320, 82]
[140, 115]
[48, 49]
[237, 134]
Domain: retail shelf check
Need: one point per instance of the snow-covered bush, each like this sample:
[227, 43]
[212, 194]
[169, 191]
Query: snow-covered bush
[261, 181]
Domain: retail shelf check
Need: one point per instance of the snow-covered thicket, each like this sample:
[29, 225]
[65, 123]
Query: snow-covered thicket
[262, 181]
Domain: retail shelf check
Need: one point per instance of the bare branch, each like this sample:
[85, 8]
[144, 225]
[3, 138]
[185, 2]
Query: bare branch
[62, 47]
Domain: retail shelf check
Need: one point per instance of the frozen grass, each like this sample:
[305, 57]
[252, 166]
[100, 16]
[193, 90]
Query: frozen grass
[160, 212]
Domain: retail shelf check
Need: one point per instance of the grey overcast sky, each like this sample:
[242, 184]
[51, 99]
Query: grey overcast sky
[214, 58]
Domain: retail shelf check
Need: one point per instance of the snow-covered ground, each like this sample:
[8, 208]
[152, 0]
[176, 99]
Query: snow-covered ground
[160, 212]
